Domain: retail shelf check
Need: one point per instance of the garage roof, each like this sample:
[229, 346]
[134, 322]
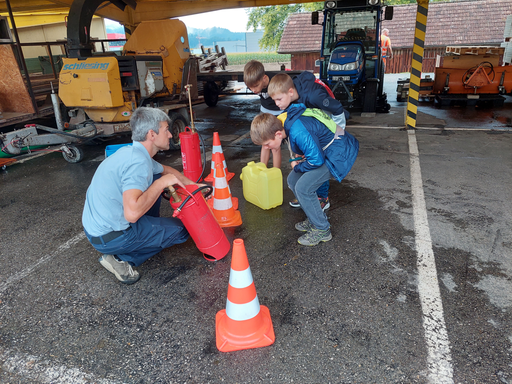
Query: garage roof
[143, 9]
[479, 22]
[457, 23]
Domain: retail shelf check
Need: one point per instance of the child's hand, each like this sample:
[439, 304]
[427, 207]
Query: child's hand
[297, 160]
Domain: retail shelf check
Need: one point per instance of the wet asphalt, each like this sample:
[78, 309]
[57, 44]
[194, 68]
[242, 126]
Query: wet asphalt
[347, 311]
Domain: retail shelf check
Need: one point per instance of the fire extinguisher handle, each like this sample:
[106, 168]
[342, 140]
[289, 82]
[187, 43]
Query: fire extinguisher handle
[174, 194]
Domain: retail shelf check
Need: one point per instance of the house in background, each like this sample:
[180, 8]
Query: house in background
[467, 23]
[302, 40]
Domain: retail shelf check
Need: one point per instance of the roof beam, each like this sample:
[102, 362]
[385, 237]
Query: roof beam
[145, 9]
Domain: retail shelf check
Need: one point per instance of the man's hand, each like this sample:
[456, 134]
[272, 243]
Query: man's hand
[199, 185]
[171, 179]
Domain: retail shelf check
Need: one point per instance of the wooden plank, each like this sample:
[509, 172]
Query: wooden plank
[14, 96]
[4, 162]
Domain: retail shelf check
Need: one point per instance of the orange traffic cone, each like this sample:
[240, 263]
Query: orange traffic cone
[217, 148]
[222, 183]
[244, 324]
[222, 205]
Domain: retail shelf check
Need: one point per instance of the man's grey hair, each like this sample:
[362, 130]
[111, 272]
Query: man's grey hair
[145, 119]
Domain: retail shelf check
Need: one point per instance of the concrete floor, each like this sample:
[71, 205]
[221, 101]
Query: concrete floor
[415, 287]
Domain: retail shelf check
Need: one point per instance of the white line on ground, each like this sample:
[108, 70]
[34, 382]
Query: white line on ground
[439, 355]
[244, 136]
[20, 275]
[28, 367]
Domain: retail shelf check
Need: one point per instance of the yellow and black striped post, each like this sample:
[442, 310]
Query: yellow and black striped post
[417, 60]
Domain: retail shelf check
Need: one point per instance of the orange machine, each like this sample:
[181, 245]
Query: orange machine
[472, 75]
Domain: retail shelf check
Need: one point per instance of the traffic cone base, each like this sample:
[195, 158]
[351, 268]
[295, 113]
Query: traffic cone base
[232, 335]
[225, 221]
[222, 204]
[210, 177]
[244, 324]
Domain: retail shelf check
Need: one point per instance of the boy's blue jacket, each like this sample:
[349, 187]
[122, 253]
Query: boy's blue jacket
[314, 95]
[308, 137]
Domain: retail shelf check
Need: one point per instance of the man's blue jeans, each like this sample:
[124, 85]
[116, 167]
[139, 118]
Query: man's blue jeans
[145, 238]
[304, 186]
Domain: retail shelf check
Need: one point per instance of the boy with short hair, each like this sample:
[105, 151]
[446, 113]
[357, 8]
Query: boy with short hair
[308, 90]
[325, 154]
[257, 81]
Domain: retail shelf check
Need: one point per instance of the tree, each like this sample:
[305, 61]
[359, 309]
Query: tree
[273, 20]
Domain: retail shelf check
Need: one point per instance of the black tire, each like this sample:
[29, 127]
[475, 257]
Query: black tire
[76, 156]
[176, 126]
[211, 93]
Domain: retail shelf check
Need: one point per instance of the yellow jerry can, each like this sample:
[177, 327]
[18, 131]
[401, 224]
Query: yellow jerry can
[262, 186]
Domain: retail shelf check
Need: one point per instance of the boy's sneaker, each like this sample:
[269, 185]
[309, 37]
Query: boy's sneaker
[315, 236]
[121, 269]
[304, 226]
[324, 203]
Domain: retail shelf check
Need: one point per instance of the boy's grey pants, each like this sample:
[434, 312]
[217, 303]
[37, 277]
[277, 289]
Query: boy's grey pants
[304, 186]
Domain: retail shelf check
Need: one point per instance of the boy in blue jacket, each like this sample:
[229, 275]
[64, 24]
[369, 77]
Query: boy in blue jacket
[326, 152]
[308, 90]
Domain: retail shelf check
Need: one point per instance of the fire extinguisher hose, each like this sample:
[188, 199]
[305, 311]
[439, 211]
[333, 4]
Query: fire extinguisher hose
[177, 210]
[204, 157]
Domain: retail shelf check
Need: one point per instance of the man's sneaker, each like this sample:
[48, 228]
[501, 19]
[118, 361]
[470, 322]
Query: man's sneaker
[315, 236]
[324, 203]
[304, 226]
[123, 270]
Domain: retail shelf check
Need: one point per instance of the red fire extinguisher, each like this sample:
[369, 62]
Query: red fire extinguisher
[191, 208]
[190, 149]
[191, 155]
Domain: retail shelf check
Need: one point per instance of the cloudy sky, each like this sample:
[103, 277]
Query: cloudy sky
[234, 20]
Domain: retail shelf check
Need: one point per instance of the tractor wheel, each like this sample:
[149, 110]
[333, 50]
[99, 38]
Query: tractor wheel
[176, 126]
[211, 93]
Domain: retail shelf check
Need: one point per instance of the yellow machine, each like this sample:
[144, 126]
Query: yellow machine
[153, 70]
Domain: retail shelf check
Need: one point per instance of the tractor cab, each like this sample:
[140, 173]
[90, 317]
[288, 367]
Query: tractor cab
[351, 63]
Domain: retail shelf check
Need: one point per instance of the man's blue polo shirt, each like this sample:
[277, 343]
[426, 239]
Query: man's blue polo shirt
[129, 167]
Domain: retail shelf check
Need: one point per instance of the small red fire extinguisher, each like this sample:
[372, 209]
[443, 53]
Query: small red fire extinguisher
[190, 148]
